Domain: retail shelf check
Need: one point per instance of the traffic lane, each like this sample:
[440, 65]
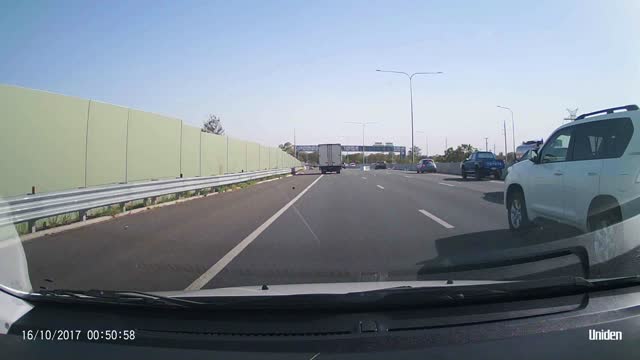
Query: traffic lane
[494, 187]
[345, 228]
[467, 210]
[481, 228]
[491, 190]
[160, 249]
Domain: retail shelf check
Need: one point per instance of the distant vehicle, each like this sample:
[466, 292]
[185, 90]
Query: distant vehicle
[330, 158]
[426, 166]
[380, 165]
[481, 164]
[527, 146]
[586, 175]
[352, 164]
[344, 165]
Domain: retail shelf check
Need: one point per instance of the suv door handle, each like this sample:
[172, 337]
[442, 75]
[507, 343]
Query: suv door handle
[558, 173]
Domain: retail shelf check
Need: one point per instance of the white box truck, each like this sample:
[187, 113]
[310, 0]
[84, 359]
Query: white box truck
[330, 158]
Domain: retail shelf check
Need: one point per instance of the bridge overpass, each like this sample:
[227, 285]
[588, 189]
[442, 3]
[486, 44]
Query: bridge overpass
[358, 148]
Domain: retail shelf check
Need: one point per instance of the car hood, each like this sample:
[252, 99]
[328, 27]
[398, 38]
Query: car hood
[319, 288]
[520, 165]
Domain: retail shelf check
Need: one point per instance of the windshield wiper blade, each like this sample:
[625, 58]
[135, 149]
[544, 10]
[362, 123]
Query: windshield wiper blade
[393, 297]
[112, 297]
[548, 287]
[617, 282]
[407, 296]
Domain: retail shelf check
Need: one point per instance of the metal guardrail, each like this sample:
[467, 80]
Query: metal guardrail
[33, 207]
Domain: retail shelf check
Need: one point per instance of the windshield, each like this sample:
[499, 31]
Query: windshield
[210, 145]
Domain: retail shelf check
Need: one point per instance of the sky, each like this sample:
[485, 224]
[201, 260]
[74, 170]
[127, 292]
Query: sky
[269, 67]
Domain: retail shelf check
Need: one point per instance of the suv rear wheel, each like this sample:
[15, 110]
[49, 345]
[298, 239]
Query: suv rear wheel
[517, 212]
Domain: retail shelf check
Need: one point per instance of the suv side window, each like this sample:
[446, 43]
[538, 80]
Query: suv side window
[602, 139]
[557, 148]
[619, 133]
[589, 141]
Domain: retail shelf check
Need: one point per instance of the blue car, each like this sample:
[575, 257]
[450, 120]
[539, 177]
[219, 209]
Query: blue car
[481, 164]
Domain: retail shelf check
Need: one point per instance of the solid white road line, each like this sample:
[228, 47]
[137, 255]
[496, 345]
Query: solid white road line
[445, 184]
[436, 219]
[364, 178]
[222, 263]
[381, 187]
[497, 181]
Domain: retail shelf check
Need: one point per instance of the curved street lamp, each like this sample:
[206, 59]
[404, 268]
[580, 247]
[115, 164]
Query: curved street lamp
[513, 134]
[411, 96]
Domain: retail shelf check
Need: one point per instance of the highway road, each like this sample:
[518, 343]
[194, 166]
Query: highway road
[309, 228]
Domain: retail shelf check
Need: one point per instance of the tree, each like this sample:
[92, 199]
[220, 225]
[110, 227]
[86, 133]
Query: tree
[353, 158]
[309, 157]
[459, 154]
[287, 147]
[415, 150]
[213, 125]
[373, 158]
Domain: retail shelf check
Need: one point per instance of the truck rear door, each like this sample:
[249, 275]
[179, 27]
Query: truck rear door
[336, 155]
[323, 154]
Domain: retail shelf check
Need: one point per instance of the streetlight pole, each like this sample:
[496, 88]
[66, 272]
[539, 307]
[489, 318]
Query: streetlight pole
[363, 125]
[506, 149]
[513, 129]
[411, 98]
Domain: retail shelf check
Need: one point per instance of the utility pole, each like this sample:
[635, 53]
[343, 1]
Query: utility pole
[445, 144]
[494, 148]
[426, 143]
[363, 125]
[295, 150]
[363, 158]
[486, 144]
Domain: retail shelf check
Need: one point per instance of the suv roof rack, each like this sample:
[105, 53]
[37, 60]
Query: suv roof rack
[609, 111]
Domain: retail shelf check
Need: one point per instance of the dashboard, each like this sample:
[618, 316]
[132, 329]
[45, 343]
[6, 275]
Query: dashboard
[585, 326]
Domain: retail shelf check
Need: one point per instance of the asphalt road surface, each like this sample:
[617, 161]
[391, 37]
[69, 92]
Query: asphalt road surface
[310, 228]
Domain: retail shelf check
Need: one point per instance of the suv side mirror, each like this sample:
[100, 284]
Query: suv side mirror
[534, 156]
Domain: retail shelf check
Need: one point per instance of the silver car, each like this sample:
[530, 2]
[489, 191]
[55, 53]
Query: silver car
[426, 165]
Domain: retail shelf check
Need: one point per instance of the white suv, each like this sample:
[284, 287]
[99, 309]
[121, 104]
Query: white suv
[586, 175]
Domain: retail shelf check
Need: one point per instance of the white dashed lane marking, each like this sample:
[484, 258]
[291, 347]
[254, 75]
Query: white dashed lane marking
[436, 219]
